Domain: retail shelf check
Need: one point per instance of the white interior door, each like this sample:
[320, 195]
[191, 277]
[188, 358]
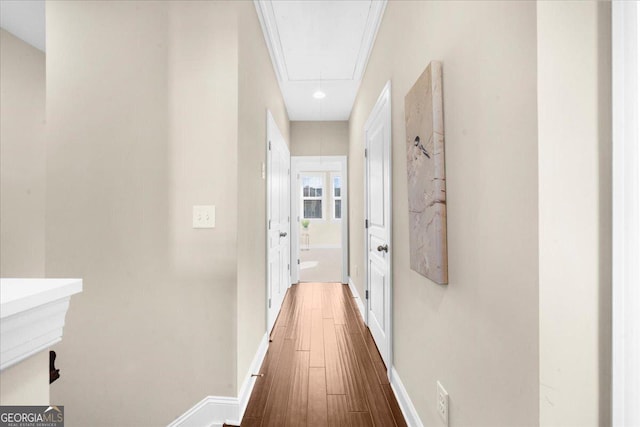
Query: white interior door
[278, 221]
[378, 224]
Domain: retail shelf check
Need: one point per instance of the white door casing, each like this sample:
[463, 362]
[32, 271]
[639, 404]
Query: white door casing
[278, 220]
[378, 248]
[626, 214]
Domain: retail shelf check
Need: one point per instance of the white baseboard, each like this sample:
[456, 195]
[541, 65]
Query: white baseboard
[406, 406]
[356, 296]
[249, 381]
[214, 411]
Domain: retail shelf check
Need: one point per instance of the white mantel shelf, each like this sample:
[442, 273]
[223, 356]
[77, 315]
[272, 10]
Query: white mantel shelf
[32, 313]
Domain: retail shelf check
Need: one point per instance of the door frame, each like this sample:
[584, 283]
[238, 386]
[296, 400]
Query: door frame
[626, 210]
[320, 164]
[272, 127]
[383, 104]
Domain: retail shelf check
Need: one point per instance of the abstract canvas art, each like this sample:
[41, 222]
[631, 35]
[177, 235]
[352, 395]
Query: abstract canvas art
[424, 122]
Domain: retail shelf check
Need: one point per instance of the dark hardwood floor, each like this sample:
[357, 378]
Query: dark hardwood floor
[322, 367]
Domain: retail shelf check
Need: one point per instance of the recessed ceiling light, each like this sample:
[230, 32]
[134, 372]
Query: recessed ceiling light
[319, 94]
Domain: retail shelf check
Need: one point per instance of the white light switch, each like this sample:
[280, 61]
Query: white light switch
[204, 216]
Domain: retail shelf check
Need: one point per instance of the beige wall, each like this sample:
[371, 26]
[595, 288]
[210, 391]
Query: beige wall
[26, 383]
[479, 334]
[323, 233]
[320, 138]
[142, 111]
[22, 158]
[574, 109]
[258, 91]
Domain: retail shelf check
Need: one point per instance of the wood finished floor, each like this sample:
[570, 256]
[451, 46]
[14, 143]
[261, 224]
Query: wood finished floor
[322, 367]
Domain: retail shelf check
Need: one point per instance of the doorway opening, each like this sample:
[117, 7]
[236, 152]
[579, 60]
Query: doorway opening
[319, 242]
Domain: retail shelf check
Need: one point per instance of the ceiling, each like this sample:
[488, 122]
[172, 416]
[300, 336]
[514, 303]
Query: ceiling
[319, 46]
[25, 20]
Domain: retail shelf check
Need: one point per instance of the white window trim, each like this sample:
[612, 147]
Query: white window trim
[322, 176]
[333, 196]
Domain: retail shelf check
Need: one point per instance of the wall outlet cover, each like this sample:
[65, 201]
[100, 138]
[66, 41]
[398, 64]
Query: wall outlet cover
[204, 216]
[442, 403]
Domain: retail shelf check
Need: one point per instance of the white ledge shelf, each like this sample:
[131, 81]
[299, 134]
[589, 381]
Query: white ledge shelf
[32, 313]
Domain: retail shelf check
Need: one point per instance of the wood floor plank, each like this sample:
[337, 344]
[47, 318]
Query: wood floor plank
[251, 422]
[378, 405]
[285, 311]
[337, 304]
[353, 381]
[337, 409]
[333, 364]
[374, 354]
[316, 299]
[316, 357]
[338, 380]
[360, 419]
[276, 408]
[327, 303]
[293, 324]
[299, 391]
[317, 412]
[262, 386]
[393, 403]
[354, 319]
[303, 336]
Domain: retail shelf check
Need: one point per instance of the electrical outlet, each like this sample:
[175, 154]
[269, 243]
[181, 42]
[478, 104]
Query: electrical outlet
[443, 403]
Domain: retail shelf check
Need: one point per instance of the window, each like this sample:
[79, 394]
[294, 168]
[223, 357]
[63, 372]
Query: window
[312, 186]
[336, 182]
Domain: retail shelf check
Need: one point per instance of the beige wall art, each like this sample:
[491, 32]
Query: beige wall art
[426, 175]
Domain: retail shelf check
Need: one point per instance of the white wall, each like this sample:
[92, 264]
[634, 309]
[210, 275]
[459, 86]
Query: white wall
[479, 334]
[142, 124]
[574, 128]
[22, 158]
[26, 383]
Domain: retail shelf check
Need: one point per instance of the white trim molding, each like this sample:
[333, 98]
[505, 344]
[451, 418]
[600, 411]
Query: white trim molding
[406, 405]
[32, 315]
[356, 296]
[626, 214]
[214, 411]
[297, 85]
[369, 37]
[267, 18]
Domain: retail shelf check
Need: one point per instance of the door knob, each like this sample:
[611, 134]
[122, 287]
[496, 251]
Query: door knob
[384, 248]
[283, 234]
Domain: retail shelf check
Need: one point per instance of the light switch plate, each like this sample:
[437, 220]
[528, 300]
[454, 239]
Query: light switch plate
[204, 216]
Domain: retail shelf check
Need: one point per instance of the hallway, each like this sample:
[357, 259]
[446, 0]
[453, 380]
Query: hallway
[322, 367]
